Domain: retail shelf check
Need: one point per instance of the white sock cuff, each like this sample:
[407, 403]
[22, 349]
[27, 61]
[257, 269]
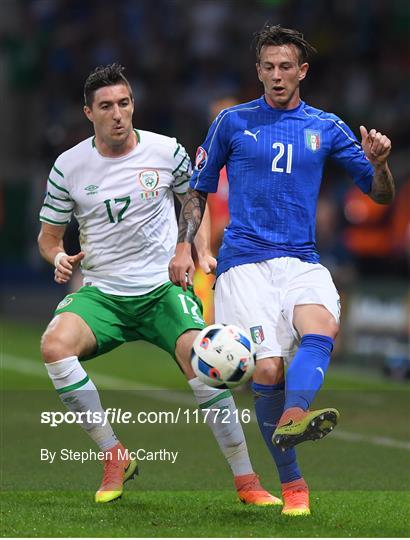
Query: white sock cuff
[62, 368]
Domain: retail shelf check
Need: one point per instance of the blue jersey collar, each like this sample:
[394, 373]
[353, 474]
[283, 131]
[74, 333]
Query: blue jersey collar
[267, 107]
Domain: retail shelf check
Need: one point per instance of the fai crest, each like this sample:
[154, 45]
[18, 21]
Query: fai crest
[257, 334]
[312, 140]
[65, 302]
[149, 179]
[200, 158]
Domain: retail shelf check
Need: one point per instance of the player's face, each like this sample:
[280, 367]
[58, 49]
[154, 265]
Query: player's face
[111, 113]
[280, 72]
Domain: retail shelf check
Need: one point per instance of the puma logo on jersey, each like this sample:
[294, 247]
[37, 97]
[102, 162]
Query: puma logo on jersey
[254, 135]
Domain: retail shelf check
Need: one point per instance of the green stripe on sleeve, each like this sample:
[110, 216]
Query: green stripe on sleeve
[177, 150]
[57, 186]
[181, 183]
[74, 386]
[57, 209]
[180, 165]
[181, 173]
[42, 218]
[59, 198]
[58, 172]
[224, 395]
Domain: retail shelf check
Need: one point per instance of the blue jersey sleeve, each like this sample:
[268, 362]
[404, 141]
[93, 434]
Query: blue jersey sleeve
[212, 155]
[347, 151]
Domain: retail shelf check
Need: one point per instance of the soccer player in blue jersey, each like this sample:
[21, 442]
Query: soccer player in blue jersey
[269, 279]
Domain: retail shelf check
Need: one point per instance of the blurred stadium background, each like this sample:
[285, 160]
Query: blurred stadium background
[185, 59]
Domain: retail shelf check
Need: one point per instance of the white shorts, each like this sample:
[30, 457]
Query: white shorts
[260, 297]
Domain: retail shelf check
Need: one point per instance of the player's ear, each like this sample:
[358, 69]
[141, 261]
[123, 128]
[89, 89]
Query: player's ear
[303, 69]
[88, 113]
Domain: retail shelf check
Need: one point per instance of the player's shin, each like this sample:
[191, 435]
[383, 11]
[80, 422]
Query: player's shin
[306, 373]
[269, 403]
[79, 395]
[229, 434]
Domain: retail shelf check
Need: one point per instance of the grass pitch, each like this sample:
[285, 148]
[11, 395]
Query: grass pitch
[358, 476]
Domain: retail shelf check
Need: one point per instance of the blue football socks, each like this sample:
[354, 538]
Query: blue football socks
[269, 403]
[307, 371]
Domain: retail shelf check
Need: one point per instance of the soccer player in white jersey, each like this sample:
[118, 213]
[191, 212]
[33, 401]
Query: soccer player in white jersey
[119, 184]
[269, 279]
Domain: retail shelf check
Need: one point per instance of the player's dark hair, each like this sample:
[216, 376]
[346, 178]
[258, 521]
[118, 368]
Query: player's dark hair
[276, 35]
[104, 76]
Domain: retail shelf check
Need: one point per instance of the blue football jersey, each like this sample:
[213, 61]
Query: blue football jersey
[274, 160]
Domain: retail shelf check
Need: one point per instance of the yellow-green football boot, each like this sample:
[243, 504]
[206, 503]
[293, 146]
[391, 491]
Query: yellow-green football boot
[296, 426]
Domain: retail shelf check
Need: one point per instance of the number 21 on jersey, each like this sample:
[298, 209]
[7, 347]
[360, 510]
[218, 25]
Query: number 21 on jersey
[281, 150]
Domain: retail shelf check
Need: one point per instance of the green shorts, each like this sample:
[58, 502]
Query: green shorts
[158, 317]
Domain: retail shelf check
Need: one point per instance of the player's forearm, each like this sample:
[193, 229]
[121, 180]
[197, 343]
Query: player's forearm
[383, 185]
[192, 212]
[49, 245]
[203, 237]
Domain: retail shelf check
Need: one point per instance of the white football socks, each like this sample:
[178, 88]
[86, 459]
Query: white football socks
[229, 435]
[79, 394]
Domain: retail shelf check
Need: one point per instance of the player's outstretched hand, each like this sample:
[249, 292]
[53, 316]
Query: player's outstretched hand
[181, 267]
[207, 262]
[66, 266]
[376, 146]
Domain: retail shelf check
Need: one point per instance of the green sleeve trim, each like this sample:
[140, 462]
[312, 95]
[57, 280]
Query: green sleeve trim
[58, 172]
[180, 165]
[42, 218]
[56, 209]
[177, 150]
[57, 186]
[180, 183]
[181, 173]
[73, 386]
[59, 198]
[224, 395]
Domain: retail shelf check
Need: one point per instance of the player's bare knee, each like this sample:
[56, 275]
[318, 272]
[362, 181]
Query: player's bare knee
[269, 371]
[183, 350]
[333, 328]
[54, 347]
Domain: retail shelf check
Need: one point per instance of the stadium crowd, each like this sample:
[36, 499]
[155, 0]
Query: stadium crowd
[183, 56]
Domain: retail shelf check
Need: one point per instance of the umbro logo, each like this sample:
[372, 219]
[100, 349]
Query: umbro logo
[254, 135]
[91, 189]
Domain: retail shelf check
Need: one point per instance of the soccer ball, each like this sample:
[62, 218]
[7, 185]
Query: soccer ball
[223, 356]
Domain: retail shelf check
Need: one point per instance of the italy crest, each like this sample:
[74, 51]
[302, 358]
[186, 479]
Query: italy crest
[257, 334]
[312, 140]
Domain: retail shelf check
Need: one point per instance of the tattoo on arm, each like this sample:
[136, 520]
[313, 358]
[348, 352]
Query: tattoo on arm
[192, 211]
[383, 186]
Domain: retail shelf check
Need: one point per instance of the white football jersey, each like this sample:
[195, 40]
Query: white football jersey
[124, 207]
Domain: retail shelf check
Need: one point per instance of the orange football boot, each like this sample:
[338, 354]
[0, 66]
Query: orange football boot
[117, 470]
[296, 498]
[250, 491]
